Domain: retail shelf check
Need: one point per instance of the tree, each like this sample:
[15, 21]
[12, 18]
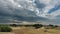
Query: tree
[37, 26]
[51, 25]
[14, 25]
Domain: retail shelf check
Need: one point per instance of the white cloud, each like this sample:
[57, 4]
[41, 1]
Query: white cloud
[49, 5]
[56, 13]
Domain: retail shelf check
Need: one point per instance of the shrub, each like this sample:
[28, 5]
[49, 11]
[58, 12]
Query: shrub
[56, 26]
[37, 26]
[13, 25]
[5, 29]
[51, 25]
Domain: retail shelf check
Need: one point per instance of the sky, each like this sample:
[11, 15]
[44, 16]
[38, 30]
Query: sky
[30, 11]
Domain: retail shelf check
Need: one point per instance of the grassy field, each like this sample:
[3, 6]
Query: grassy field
[32, 30]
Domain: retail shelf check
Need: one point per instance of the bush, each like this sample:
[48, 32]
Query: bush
[13, 25]
[5, 29]
[51, 25]
[37, 26]
[56, 26]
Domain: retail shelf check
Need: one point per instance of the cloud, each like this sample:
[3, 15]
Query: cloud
[29, 11]
[54, 9]
[47, 6]
[9, 12]
[39, 5]
[56, 13]
[43, 7]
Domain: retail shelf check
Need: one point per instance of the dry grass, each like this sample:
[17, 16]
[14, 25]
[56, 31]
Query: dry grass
[31, 30]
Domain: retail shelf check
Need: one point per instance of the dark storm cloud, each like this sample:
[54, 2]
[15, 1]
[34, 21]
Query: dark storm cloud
[17, 14]
[6, 18]
[31, 19]
[9, 13]
[26, 15]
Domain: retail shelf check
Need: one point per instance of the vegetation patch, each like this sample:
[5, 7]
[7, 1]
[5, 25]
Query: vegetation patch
[5, 29]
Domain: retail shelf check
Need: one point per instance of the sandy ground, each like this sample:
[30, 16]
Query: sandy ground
[30, 30]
